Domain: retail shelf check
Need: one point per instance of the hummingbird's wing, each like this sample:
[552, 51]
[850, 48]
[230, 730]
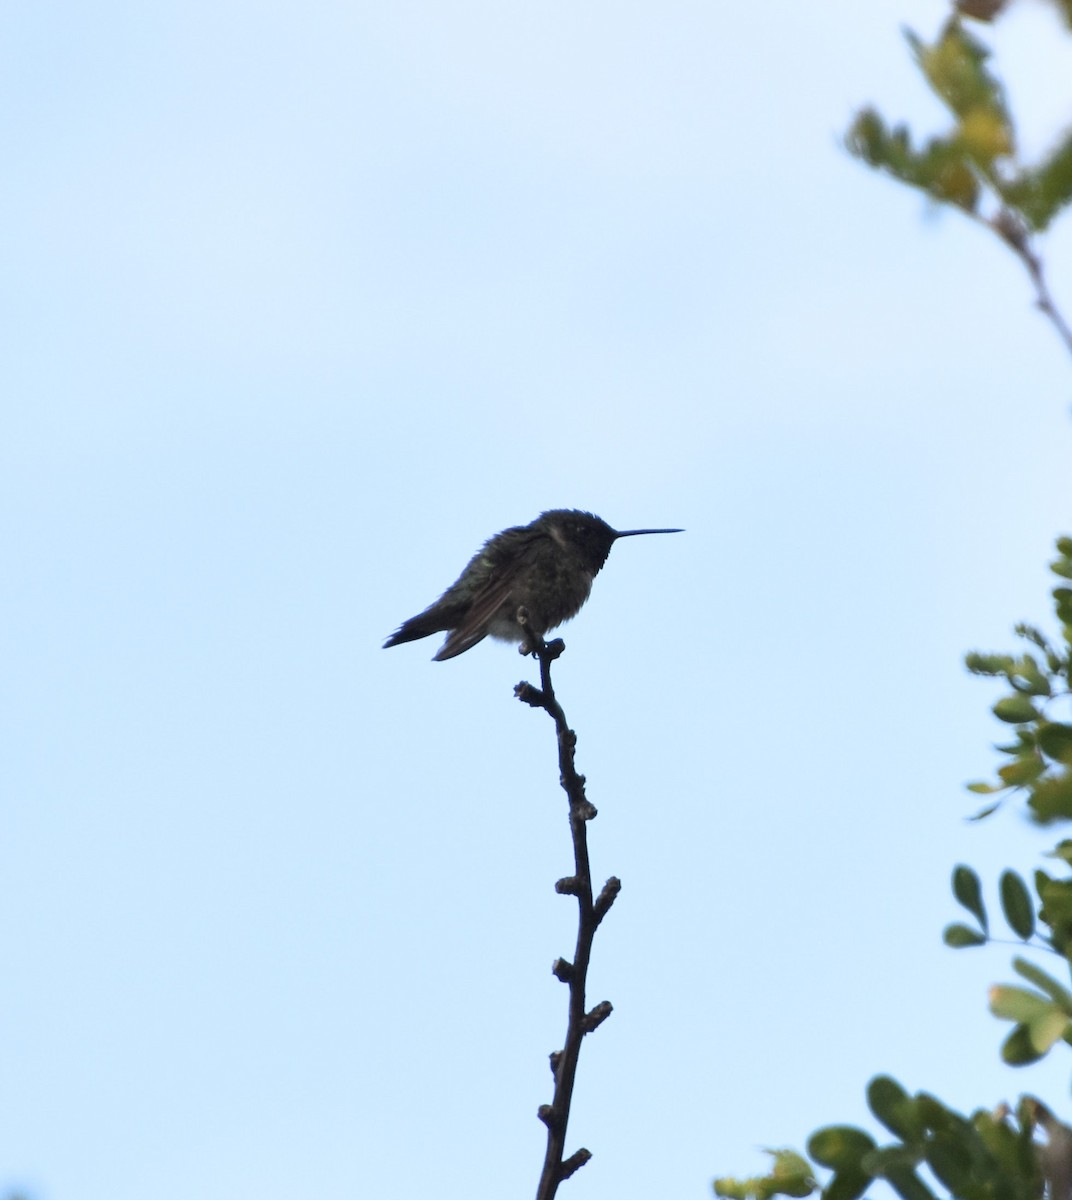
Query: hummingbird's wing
[473, 627]
[492, 596]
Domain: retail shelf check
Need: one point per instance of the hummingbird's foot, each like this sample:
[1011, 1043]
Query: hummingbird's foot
[530, 639]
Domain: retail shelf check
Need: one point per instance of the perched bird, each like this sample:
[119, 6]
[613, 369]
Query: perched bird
[546, 568]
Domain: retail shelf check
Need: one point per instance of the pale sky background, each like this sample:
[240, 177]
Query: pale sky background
[301, 302]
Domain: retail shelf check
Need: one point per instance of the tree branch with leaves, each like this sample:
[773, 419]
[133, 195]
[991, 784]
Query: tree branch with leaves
[975, 166]
[1003, 1152]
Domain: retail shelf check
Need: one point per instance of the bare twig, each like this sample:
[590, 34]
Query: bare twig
[1014, 234]
[589, 912]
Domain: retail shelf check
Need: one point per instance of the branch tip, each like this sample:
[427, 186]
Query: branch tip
[561, 969]
[606, 898]
[546, 1113]
[530, 695]
[569, 886]
[596, 1016]
[574, 1163]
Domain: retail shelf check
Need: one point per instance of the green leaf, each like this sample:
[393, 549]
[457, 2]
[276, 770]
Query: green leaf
[1016, 904]
[983, 813]
[890, 1158]
[948, 1156]
[1055, 739]
[988, 664]
[1017, 1049]
[893, 1106]
[734, 1189]
[1032, 634]
[869, 139]
[1044, 982]
[1016, 710]
[840, 1147]
[847, 1185]
[1002, 1142]
[795, 1185]
[1047, 1028]
[940, 168]
[955, 68]
[969, 894]
[791, 1175]
[947, 178]
[985, 134]
[897, 1165]
[1039, 194]
[985, 789]
[907, 1184]
[1051, 798]
[1017, 1004]
[1026, 676]
[1056, 910]
[787, 1162]
[1021, 771]
[960, 937]
[935, 1115]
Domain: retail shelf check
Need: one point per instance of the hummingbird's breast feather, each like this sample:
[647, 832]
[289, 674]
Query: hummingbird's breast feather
[552, 586]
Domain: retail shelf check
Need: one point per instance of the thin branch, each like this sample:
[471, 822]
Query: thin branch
[589, 913]
[1044, 298]
[1014, 234]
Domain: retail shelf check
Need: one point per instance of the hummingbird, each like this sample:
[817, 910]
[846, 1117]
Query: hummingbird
[546, 567]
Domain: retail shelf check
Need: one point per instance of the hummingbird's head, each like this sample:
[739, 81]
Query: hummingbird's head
[582, 532]
[588, 534]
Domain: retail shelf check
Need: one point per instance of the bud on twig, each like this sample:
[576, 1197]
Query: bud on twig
[596, 1016]
[574, 1163]
[529, 695]
[606, 898]
[584, 810]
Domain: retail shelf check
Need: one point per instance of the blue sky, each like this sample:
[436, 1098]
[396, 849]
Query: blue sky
[300, 304]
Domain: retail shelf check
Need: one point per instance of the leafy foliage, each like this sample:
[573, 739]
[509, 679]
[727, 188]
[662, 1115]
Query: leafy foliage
[977, 158]
[1040, 754]
[988, 1155]
[1003, 1154]
[791, 1175]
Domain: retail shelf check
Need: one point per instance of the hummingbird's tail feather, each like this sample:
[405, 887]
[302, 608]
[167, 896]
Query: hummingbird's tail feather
[421, 626]
[457, 644]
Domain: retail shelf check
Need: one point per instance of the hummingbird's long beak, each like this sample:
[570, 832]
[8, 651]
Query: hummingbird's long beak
[636, 532]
